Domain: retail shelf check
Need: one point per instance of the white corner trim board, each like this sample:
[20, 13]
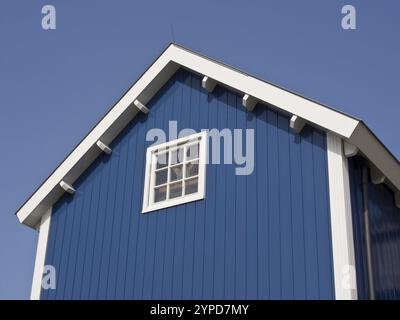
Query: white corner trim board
[41, 249]
[341, 220]
[253, 89]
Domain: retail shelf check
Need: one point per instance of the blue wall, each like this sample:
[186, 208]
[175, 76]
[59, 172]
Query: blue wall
[384, 219]
[266, 235]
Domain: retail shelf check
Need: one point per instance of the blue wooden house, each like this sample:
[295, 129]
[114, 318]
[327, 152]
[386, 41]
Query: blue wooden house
[204, 182]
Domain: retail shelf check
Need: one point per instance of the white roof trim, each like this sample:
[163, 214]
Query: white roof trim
[156, 76]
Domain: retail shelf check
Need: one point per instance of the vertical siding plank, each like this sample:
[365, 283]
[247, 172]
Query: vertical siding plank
[168, 272]
[107, 236]
[168, 256]
[87, 191]
[230, 218]
[190, 101]
[210, 205]
[251, 216]
[149, 257]
[310, 232]
[273, 207]
[73, 245]
[122, 153]
[100, 229]
[62, 245]
[142, 223]
[261, 153]
[127, 213]
[325, 263]
[156, 292]
[220, 210]
[87, 264]
[181, 107]
[199, 233]
[240, 290]
[159, 112]
[285, 209]
[296, 174]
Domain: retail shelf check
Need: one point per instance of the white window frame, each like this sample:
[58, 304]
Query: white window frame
[149, 184]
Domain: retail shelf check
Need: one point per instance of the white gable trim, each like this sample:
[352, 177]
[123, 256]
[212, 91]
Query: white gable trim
[41, 250]
[263, 91]
[106, 130]
[156, 76]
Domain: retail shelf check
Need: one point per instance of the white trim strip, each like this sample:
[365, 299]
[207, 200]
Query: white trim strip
[32, 210]
[341, 220]
[263, 91]
[40, 255]
[156, 76]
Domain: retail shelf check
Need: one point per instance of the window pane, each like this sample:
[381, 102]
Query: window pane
[177, 156]
[192, 152]
[161, 177]
[176, 173]
[160, 194]
[162, 160]
[191, 186]
[175, 190]
[192, 169]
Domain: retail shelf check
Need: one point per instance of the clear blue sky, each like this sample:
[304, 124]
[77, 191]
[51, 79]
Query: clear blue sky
[55, 85]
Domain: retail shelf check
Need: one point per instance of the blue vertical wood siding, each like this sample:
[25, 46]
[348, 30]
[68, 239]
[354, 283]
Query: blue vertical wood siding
[384, 218]
[261, 236]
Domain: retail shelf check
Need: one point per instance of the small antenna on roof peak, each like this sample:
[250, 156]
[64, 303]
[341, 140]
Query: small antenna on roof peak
[172, 33]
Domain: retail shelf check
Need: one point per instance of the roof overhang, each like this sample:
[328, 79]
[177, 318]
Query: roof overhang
[174, 57]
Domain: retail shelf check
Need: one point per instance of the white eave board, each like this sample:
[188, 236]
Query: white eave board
[156, 76]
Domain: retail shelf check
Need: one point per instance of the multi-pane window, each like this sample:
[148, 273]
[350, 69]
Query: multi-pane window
[175, 172]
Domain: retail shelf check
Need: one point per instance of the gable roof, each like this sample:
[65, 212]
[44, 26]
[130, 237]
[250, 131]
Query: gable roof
[138, 95]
